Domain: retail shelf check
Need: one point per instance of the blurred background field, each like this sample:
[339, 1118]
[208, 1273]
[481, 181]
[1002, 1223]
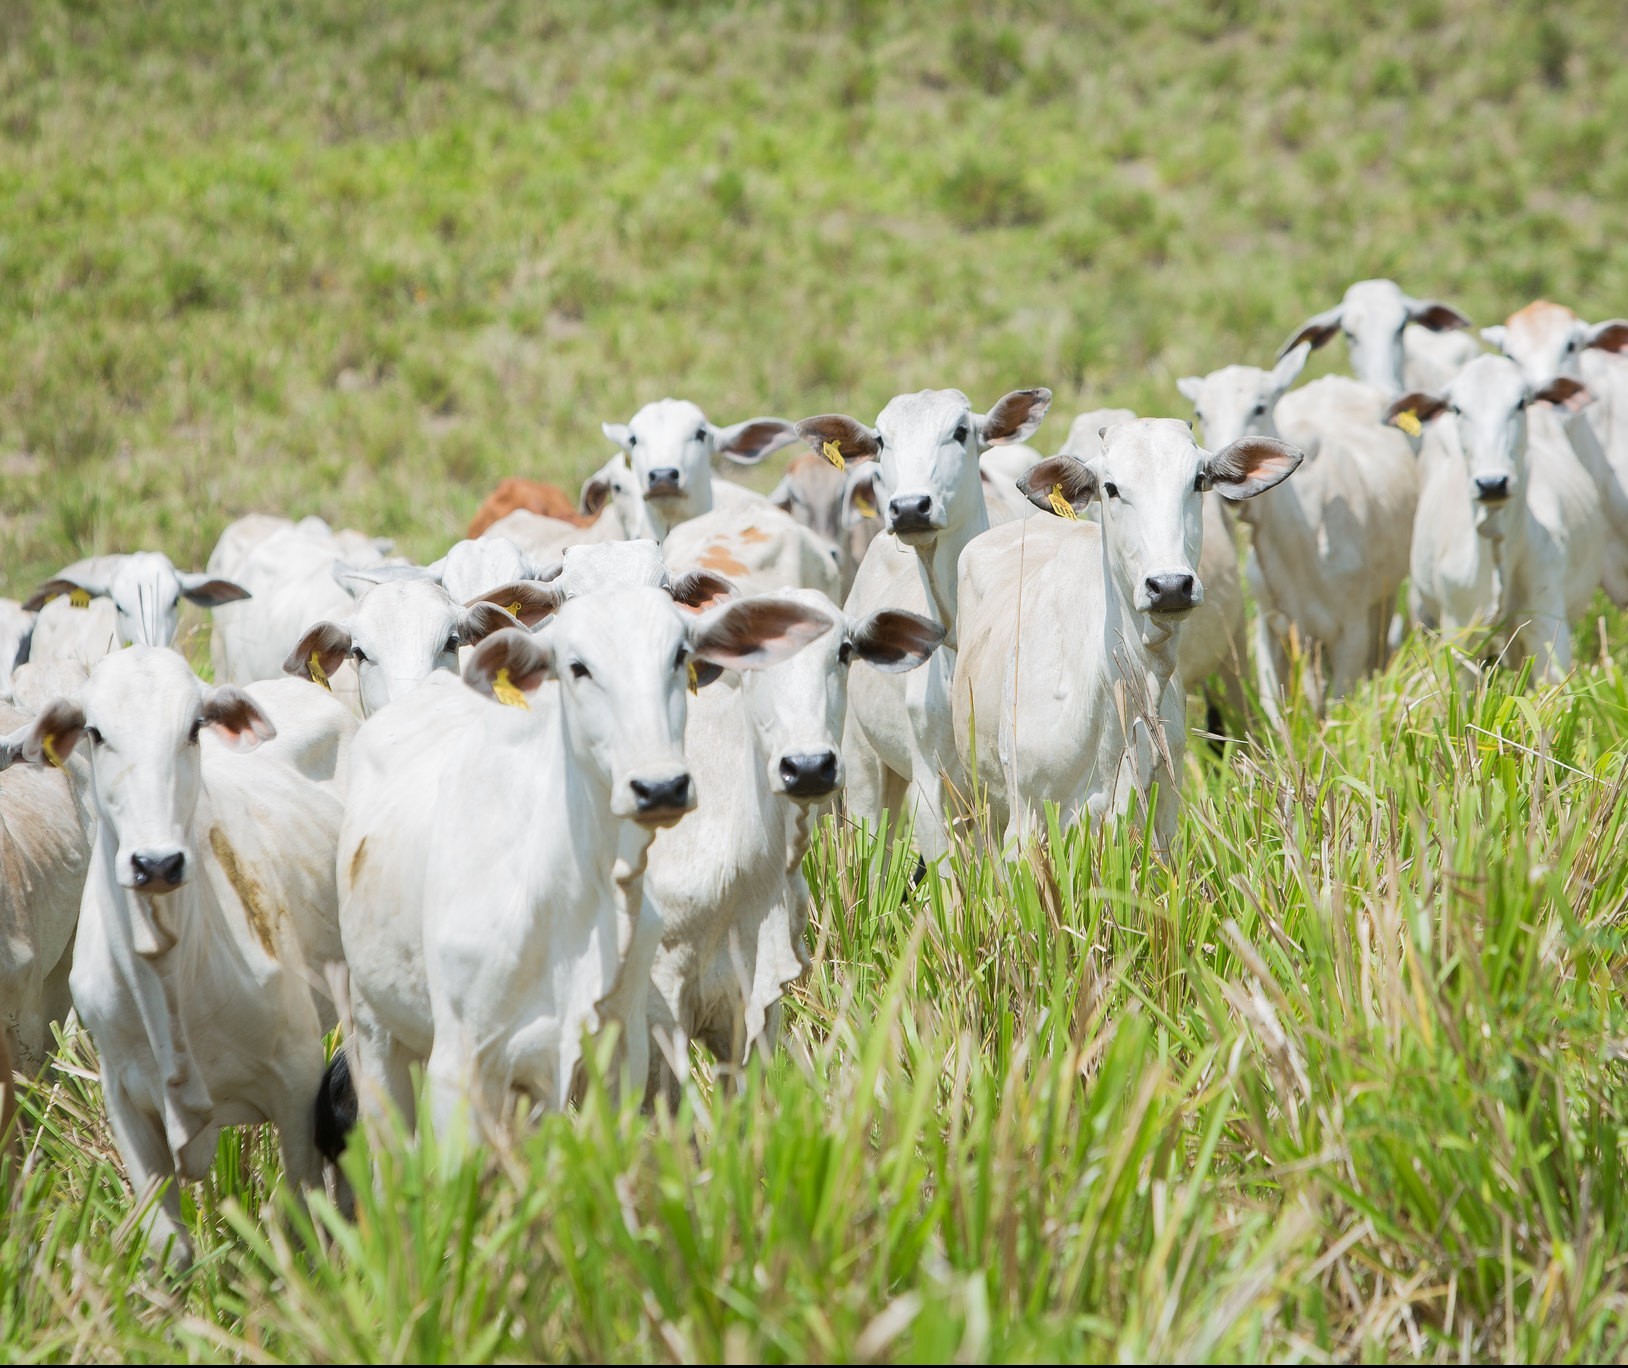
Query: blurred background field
[1343, 1081]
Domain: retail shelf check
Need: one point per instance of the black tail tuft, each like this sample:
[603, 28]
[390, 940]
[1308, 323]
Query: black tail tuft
[336, 1108]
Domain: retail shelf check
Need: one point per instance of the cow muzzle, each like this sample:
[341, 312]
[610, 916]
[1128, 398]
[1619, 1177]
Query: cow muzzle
[661, 802]
[156, 870]
[1166, 594]
[664, 483]
[807, 775]
[913, 515]
[1491, 489]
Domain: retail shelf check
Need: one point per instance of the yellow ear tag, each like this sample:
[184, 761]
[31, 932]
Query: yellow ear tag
[1061, 506]
[865, 504]
[1409, 422]
[695, 679]
[514, 608]
[318, 674]
[80, 598]
[48, 745]
[507, 692]
[833, 453]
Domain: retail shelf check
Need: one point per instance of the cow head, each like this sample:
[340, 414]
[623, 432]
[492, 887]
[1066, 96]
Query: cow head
[1241, 401]
[1150, 476]
[670, 446]
[146, 590]
[1373, 315]
[1547, 341]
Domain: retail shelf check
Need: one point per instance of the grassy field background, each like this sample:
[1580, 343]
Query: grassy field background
[1344, 1080]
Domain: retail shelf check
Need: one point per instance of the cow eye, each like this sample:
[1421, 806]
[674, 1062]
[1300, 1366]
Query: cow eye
[846, 652]
[579, 670]
[1571, 344]
[359, 655]
[452, 643]
[700, 434]
[961, 433]
[633, 439]
[197, 727]
[96, 736]
[1258, 410]
[879, 442]
[1198, 483]
[682, 655]
[1111, 490]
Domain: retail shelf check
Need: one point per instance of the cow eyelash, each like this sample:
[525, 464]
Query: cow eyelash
[579, 670]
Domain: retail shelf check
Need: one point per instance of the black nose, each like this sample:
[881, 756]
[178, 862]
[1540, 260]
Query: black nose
[165, 870]
[662, 795]
[1170, 593]
[1491, 488]
[911, 513]
[664, 481]
[812, 774]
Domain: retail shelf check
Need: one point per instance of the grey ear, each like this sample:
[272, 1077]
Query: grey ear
[1421, 404]
[235, 718]
[327, 643]
[1063, 475]
[526, 601]
[1289, 366]
[1611, 336]
[527, 661]
[1494, 336]
[854, 440]
[11, 747]
[749, 442]
[1250, 466]
[1014, 417]
[859, 495]
[895, 641]
[1433, 314]
[1190, 387]
[207, 591]
[54, 733]
[1317, 330]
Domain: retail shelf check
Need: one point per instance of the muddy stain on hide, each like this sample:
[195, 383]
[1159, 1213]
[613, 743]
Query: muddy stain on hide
[356, 861]
[262, 918]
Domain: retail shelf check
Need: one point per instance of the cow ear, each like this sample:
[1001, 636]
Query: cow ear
[1565, 391]
[1014, 417]
[1611, 336]
[1423, 405]
[528, 601]
[507, 661]
[320, 652]
[1494, 336]
[356, 580]
[859, 495]
[853, 440]
[235, 718]
[619, 433]
[1250, 466]
[481, 619]
[1189, 387]
[1316, 330]
[1289, 365]
[895, 641]
[1433, 314]
[597, 489]
[699, 590]
[1059, 477]
[752, 633]
[54, 733]
[207, 591]
[56, 588]
[13, 747]
[749, 442]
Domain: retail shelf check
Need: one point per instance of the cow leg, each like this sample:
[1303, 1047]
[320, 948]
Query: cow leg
[148, 1162]
[294, 1115]
[1350, 657]
[382, 1070]
[1270, 667]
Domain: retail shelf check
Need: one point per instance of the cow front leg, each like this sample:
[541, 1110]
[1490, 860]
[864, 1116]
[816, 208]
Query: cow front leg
[149, 1164]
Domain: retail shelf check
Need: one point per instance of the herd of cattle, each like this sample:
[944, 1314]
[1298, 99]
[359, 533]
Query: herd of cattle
[456, 799]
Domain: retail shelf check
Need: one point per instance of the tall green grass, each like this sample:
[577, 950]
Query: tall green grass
[1342, 1078]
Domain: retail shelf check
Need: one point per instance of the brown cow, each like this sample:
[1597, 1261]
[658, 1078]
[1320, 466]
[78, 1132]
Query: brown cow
[535, 496]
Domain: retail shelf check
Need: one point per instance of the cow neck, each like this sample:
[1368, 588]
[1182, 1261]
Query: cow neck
[153, 957]
[939, 562]
[1124, 622]
[698, 501]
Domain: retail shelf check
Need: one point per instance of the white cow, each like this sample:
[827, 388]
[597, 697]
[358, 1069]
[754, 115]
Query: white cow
[45, 825]
[288, 570]
[208, 914]
[764, 749]
[1065, 685]
[1511, 529]
[1330, 548]
[1549, 342]
[899, 744]
[472, 567]
[473, 827]
[838, 505]
[1374, 316]
[139, 595]
[758, 548]
[402, 626]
